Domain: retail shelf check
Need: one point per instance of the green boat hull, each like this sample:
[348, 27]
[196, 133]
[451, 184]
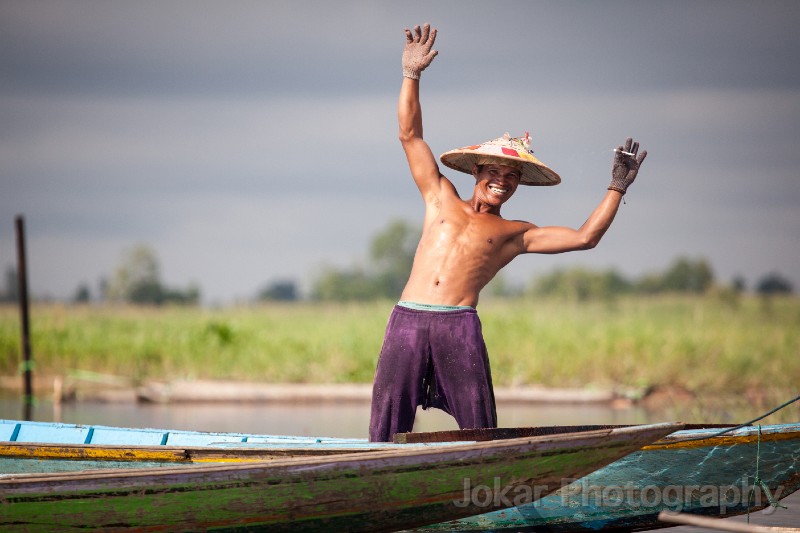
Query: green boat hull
[375, 491]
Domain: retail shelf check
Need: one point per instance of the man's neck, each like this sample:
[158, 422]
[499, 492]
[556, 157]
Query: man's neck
[481, 207]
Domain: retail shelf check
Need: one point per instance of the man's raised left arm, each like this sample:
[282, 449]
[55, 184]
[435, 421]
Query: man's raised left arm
[556, 239]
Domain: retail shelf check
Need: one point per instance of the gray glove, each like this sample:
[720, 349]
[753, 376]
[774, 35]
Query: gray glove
[626, 166]
[417, 54]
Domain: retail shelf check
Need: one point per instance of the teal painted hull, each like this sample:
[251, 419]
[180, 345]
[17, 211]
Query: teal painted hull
[711, 477]
[10, 466]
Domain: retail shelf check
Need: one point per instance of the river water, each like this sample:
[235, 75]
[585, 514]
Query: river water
[317, 419]
[346, 420]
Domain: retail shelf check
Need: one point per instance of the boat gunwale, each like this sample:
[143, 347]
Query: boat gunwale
[740, 435]
[463, 453]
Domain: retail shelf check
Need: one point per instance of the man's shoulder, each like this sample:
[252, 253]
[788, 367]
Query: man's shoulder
[445, 194]
[447, 186]
[507, 229]
[523, 223]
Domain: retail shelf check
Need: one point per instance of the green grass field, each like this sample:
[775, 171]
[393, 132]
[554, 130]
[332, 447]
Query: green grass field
[703, 344]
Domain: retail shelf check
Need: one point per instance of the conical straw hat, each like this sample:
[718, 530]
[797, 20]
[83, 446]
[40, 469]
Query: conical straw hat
[506, 150]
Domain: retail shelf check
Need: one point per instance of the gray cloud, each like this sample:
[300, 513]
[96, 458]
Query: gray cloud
[253, 140]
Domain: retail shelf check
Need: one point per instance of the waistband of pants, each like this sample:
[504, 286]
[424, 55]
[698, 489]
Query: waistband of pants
[432, 307]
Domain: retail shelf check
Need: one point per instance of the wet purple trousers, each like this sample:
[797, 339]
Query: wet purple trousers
[433, 359]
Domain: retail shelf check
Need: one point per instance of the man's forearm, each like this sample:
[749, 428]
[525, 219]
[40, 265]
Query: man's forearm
[409, 110]
[600, 220]
[417, 55]
[560, 239]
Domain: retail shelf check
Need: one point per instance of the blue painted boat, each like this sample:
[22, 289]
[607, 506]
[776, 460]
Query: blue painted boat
[692, 471]
[388, 488]
[58, 433]
[49, 447]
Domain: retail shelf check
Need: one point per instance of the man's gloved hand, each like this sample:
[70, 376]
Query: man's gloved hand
[417, 54]
[626, 166]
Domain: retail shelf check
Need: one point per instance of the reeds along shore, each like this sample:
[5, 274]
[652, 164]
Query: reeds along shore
[703, 345]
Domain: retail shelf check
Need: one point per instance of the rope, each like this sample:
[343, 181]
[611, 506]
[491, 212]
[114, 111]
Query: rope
[740, 426]
[757, 481]
[760, 482]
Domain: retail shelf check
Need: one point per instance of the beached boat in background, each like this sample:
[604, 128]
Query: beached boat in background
[691, 471]
[380, 490]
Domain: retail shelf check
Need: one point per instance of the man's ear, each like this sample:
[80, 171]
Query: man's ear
[475, 171]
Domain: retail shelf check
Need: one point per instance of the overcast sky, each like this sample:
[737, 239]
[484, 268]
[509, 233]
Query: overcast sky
[253, 141]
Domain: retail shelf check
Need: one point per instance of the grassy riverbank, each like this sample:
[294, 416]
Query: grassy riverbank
[705, 344]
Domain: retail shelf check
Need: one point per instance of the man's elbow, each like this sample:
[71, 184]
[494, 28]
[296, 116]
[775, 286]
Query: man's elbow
[588, 242]
[408, 135]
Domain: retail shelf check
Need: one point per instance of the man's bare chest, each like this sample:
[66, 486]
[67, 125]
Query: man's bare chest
[470, 232]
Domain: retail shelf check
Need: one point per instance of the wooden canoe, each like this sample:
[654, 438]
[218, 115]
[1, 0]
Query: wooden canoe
[690, 471]
[382, 490]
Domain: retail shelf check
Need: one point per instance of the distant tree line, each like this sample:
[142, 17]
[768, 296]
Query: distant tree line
[392, 254]
[693, 276]
[137, 279]
[683, 276]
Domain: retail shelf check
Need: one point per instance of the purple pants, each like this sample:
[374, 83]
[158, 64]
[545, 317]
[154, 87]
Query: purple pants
[433, 359]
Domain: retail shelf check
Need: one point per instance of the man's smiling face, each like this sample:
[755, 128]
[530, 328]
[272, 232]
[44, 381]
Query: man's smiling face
[494, 184]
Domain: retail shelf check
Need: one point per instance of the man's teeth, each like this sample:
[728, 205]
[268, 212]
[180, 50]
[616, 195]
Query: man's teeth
[498, 190]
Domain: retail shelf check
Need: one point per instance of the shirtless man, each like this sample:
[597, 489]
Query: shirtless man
[433, 353]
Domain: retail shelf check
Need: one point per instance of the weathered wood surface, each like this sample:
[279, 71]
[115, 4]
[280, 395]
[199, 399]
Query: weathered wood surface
[712, 477]
[713, 523]
[71, 455]
[233, 391]
[376, 491]
[484, 434]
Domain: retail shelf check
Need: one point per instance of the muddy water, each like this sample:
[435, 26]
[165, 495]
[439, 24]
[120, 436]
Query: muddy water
[325, 419]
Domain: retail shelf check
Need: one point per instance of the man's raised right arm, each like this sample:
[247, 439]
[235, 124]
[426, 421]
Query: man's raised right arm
[417, 55]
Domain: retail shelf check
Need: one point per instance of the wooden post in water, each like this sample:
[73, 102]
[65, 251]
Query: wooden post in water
[22, 279]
